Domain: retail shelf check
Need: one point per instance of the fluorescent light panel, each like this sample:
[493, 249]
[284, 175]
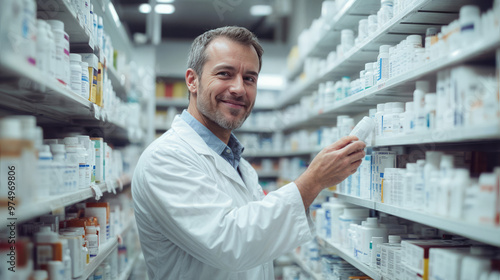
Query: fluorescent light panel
[261, 10]
[165, 9]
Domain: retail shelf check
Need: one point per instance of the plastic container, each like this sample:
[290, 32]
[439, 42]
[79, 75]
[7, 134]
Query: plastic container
[422, 87]
[385, 13]
[372, 25]
[362, 29]
[370, 229]
[383, 64]
[350, 216]
[85, 80]
[92, 241]
[375, 251]
[43, 51]
[61, 39]
[73, 159]
[76, 73]
[368, 83]
[28, 46]
[430, 110]
[346, 40]
[432, 161]
[470, 19]
[64, 173]
[45, 172]
[379, 120]
[363, 129]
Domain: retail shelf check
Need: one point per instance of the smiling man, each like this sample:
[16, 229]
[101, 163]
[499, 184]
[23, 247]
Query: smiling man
[200, 211]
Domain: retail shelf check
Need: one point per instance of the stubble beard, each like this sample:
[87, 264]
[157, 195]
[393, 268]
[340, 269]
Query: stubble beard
[217, 116]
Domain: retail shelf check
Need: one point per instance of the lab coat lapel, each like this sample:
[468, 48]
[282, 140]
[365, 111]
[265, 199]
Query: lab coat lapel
[194, 140]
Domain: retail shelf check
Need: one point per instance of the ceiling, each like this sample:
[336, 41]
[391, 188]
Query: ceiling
[193, 17]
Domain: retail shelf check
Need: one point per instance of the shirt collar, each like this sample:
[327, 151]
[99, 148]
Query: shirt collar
[213, 141]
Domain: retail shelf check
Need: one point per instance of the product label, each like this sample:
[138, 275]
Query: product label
[44, 254]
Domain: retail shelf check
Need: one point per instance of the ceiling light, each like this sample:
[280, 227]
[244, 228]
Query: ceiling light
[261, 10]
[145, 8]
[112, 10]
[165, 9]
[165, 1]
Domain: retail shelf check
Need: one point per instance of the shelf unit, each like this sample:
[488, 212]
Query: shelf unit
[29, 210]
[314, 275]
[397, 88]
[128, 270]
[488, 234]
[414, 20]
[274, 154]
[175, 102]
[336, 249]
[104, 251]
[268, 174]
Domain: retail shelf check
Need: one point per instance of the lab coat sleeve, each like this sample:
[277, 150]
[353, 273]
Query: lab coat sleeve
[191, 210]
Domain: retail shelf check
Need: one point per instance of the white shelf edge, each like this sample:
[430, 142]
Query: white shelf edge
[104, 252]
[488, 234]
[356, 200]
[343, 12]
[269, 154]
[37, 208]
[175, 102]
[347, 257]
[478, 232]
[268, 174]
[296, 258]
[428, 68]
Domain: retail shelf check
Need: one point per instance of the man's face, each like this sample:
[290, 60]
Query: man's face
[227, 88]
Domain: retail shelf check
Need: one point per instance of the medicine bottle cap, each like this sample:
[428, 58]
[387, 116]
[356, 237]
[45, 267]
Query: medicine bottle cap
[414, 40]
[71, 141]
[347, 32]
[377, 240]
[384, 49]
[422, 85]
[368, 66]
[411, 167]
[10, 129]
[380, 107]
[431, 31]
[433, 157]
[56, 24]
[398, 107]
[100, 21]
[371, 222]
[394, 239]
[57, 148]
[28, 125]
[84, 65]
[44, 149]
[75, 57]
[469, 11]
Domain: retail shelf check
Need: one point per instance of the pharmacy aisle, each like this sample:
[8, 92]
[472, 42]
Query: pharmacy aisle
[424, 78]
[71, 131]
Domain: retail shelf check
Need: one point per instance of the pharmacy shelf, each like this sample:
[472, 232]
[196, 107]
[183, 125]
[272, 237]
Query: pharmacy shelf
[300, 262]
[336, 249]
[271, 154]
[482, 233]
[355, 200]
[118, 82]
[414, 20]
[79, 37]
[253, 129]
[466, 134]
[268, 174]
[347, 18]
[398, 89]
[105, 251]
[172, 102]
[31, 209]
[128, 270]
[27, 90]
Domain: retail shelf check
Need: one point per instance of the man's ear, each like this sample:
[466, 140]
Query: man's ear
[192, 81]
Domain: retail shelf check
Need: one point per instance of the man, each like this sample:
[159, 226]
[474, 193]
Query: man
[200, 211]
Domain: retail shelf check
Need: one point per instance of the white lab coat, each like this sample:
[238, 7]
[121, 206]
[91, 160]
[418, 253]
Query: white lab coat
[198, 219]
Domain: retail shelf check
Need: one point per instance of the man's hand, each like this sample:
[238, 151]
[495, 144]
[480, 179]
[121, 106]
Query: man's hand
[330, 167]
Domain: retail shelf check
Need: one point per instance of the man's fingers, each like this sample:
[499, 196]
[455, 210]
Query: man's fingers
[343, 142]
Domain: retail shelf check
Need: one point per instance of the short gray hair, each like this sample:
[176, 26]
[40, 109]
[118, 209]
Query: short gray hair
[197, 54]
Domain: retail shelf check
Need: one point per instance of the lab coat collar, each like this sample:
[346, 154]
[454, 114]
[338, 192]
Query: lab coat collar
[188, 135]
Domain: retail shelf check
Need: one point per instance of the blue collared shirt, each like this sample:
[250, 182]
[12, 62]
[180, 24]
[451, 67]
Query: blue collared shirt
[230, 152]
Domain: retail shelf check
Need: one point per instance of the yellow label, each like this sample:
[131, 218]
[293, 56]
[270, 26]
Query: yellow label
[93, 84]
[426, 270]
[99, 95]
